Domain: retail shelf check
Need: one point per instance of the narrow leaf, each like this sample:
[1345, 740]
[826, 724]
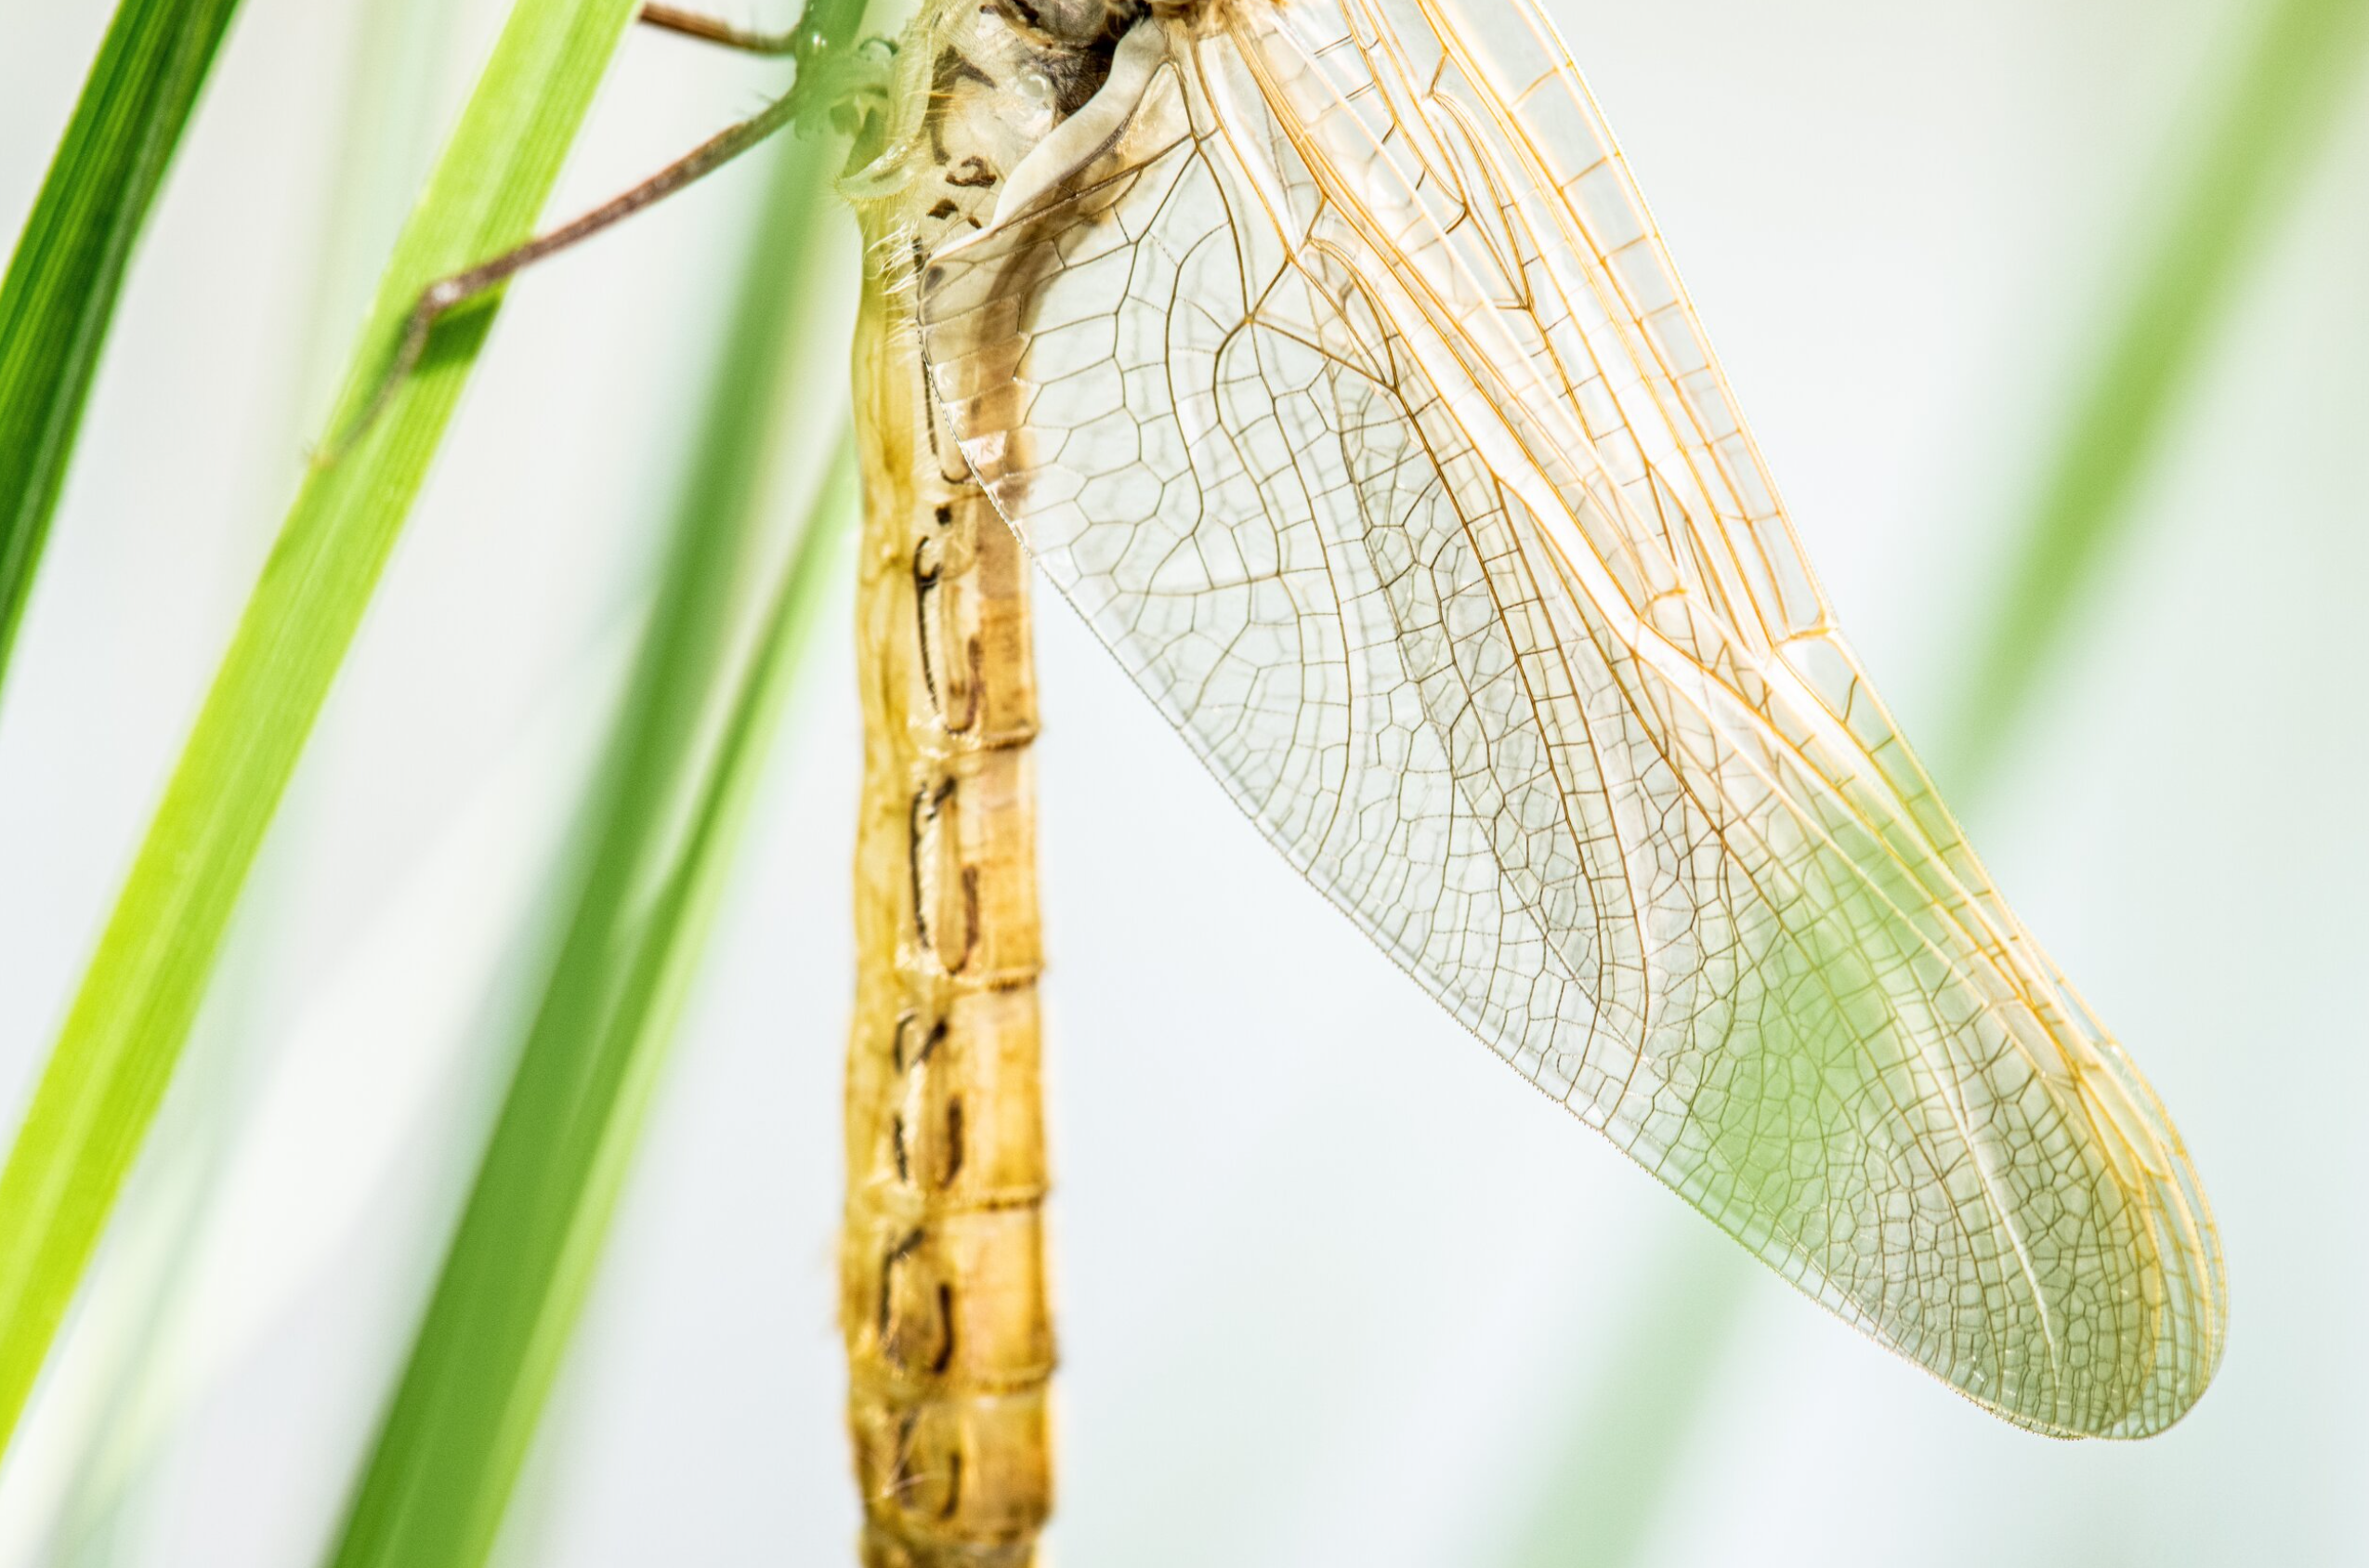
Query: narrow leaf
[69, 266]
[2274, 116]
[117, 1048]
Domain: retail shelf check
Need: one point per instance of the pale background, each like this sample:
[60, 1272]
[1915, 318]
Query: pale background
[1335, 1288]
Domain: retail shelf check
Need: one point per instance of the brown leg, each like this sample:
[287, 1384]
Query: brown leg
[448, 294]
[693, 24]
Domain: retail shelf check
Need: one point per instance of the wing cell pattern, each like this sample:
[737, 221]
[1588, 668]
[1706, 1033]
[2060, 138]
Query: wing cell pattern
[1340, 380]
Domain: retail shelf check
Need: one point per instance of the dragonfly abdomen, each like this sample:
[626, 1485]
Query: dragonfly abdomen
[942, 1297]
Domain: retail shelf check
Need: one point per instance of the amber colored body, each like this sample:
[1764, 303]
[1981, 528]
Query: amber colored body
[942, 1265]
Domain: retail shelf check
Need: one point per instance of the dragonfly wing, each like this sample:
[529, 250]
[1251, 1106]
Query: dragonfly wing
[1301, 373]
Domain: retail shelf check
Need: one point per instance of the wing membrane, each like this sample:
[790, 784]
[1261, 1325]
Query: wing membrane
[1341, 382]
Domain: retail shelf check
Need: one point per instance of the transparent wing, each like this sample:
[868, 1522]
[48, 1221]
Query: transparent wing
[1371, 432]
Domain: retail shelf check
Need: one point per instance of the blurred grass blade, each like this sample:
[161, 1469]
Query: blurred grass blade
[662, 823]
[394, 75]
[2277, 111]
[2273, 117]
[63, 281]
[117, 1048]
[1611, 1471]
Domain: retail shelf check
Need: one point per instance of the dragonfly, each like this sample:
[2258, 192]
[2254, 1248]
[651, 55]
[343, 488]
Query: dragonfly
[1324, 355]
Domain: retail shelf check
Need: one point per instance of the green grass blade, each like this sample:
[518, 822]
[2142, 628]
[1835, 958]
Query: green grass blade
[449, 1451]
[69, 266]
[2274, 116]
[124, 1032]
[139, 1335]
[2277, 111]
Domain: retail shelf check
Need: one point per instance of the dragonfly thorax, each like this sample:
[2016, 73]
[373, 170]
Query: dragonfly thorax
[993, 79]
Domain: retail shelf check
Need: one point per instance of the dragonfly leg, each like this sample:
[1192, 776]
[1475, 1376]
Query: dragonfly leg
[448, 294]
[708, 28]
